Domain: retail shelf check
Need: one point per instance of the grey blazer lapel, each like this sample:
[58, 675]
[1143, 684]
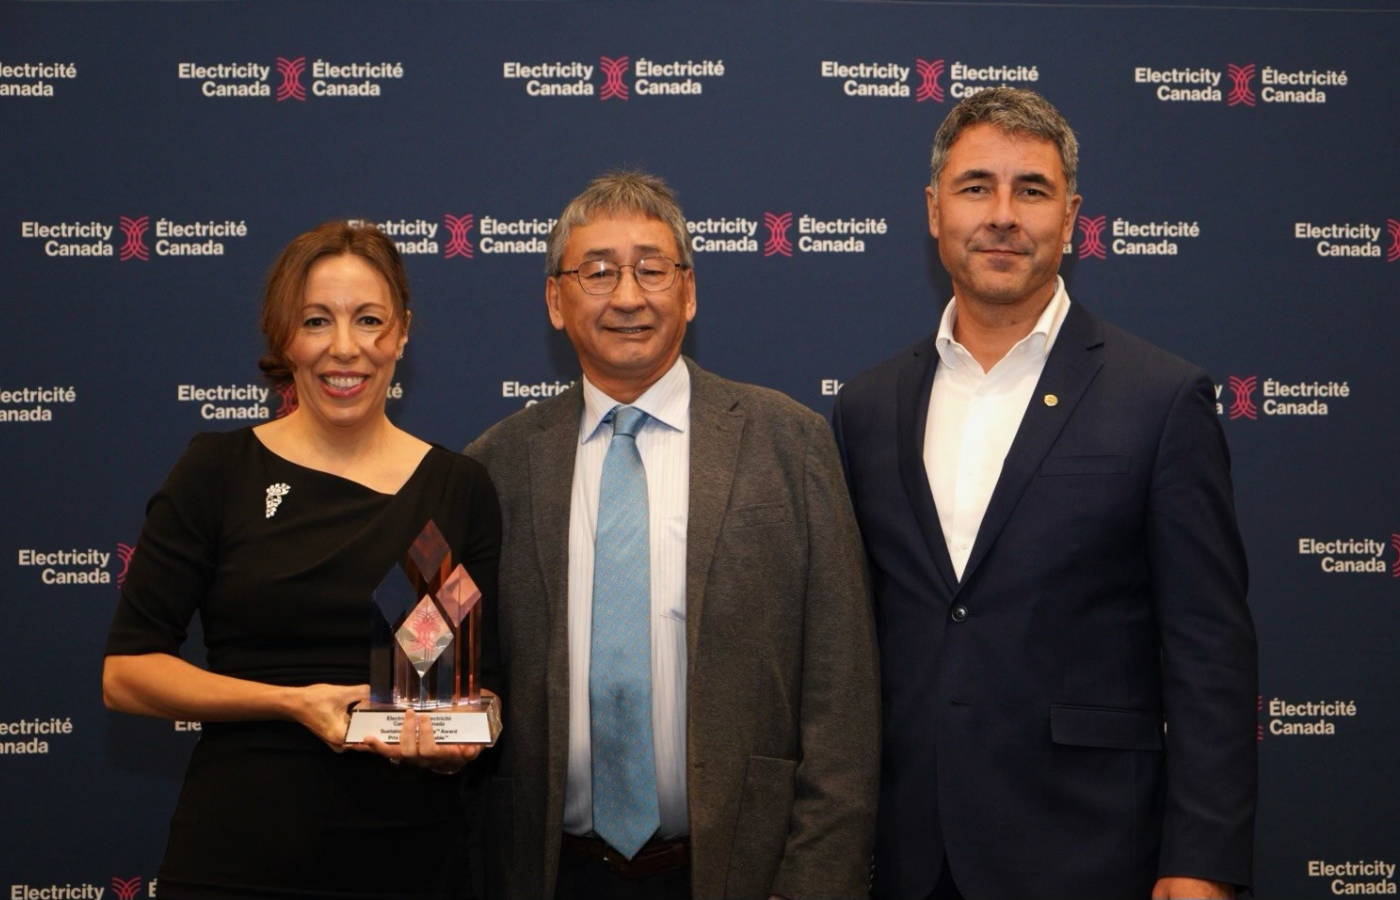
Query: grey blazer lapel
[1073, 363]
[716, 427]
[552, 451]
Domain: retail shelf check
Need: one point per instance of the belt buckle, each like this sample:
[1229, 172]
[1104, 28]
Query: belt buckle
[616, 861]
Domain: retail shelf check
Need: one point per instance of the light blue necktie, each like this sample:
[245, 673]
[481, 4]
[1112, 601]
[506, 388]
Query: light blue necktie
[625, 811]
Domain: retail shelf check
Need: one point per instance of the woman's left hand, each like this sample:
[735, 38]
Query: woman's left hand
[417, 747]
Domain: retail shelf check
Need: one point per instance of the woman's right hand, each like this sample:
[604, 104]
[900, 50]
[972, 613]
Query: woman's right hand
[325, 710]
[158, 684]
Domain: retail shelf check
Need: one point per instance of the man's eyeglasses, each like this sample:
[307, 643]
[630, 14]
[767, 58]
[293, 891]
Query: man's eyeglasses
[602, 276]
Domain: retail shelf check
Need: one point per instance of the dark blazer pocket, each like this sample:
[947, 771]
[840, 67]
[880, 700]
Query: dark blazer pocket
[761, 829]
[1085, 465]
[758, 514]
[1107, 727]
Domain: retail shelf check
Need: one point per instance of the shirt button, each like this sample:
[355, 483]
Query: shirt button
[959, 613]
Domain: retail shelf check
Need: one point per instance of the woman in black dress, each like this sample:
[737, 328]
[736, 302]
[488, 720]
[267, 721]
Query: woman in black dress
[277, 535]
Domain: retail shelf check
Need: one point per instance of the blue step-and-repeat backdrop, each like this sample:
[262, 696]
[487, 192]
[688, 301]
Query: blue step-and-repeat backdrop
[1241, 182]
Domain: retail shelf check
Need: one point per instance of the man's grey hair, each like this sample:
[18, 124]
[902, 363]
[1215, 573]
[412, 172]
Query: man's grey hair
[1016, 111]
[628, 192]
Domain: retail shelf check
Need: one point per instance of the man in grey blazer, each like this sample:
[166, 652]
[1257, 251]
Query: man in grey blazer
[759, 776]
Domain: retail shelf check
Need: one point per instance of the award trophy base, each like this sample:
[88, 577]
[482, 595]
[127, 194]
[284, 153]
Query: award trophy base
[465, 723]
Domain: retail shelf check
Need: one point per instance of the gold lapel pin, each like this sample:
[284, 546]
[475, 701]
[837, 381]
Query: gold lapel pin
[1051, 400]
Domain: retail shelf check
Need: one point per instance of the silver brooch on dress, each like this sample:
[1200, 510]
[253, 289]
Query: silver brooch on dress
[275, 493]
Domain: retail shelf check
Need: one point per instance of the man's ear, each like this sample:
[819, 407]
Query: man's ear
[552, 300]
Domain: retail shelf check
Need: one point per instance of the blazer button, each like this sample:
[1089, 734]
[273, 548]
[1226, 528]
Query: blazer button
[959, 613]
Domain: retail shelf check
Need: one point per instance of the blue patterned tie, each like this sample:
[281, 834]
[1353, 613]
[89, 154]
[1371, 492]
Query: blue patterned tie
[625, 812]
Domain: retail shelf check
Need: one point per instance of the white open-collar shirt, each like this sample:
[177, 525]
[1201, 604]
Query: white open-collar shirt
[973, 417]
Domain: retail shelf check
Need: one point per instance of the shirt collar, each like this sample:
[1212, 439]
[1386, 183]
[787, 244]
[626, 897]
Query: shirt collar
[1038, 342]
[667, 402]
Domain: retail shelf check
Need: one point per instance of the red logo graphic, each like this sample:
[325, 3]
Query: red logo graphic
[291, 87]
[124, 552]
[288, 393]
[1241, 92]
[126, 888]
[424, 626]
[457, 244]
[1092, 230]
[777, 226]
[929, 88]
[614, 87]
[1393, 227]
[135, 230]
[1243, 405]
[1259, 707]
[1395, 566]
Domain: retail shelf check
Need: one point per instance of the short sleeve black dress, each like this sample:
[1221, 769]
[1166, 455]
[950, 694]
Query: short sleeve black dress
[280, 562]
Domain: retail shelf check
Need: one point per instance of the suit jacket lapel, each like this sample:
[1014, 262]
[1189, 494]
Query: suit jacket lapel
[716, 426]
[552, 450]
[1072, 365]
[915, 388]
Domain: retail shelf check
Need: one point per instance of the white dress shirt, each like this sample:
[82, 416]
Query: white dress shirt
[973, 417]
[664, 445]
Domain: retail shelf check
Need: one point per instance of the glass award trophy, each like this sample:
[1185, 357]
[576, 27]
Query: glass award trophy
[425, 651]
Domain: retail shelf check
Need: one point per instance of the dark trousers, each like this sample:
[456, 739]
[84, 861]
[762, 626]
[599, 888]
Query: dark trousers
[946, 889]
[593, 879]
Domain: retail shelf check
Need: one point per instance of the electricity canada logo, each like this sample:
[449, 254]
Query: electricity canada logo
[31, 404]
[291, 87]
[452, 239]
[1346, 556]
[649, 77]
[171, 238]
[1128, 238]
[614, 88]
[1241, 92]
[243, 80]
[929, 88]
[1091, 231]
[457, 243]
[122, 888]
[1306, 719]
[70, 566]
[1207, 85]
[287, 400]
[1352, 239]
[124, 553]
[777, 225]
[134, 232]
[222, 402]
[1355, 876]
[33, 79]
[892, 79]
[739, 234]
[1280, 398]
[533, 392]
[1243, 405]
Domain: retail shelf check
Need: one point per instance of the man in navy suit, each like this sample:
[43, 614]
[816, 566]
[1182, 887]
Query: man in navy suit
[1068, 663]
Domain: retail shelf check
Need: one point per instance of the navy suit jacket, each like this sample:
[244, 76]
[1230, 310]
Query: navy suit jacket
[1075, 717]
